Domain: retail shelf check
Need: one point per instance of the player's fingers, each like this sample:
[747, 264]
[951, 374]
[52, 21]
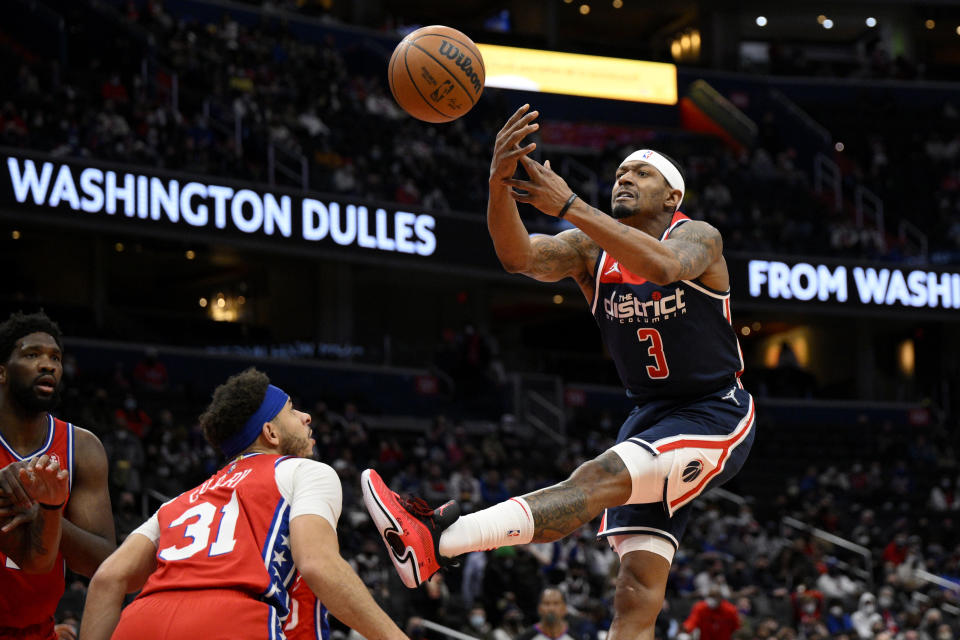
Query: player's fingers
[521, 151]
[520, 196]
[521, 133]
[531, 165]
[519, 184]
[513, 119]
[13, 524]
[546, 164]
[12, 486]
[516, 116]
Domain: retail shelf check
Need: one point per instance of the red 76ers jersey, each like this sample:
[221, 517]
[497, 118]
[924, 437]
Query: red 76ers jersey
[231, 532]
[29, 599]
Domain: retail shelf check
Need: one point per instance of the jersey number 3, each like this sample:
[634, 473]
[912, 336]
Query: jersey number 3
[659, 369]
[199, 530]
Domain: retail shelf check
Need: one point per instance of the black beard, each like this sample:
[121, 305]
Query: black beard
[621, 211]
[30, 402]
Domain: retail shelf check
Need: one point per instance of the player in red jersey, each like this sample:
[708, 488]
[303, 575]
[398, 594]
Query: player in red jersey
[216, 561]
[32, 572]
[658, 287]
[308, 616]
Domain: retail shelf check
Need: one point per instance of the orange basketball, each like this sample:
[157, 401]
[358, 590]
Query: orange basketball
[436, 74]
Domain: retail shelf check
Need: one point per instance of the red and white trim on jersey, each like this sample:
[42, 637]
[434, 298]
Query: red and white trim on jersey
[601, 263]
[45, 447]
[39, 452]
[678, 218]
[725, 444]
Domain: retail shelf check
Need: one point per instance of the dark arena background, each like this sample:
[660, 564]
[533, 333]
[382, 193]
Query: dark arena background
[189, 187]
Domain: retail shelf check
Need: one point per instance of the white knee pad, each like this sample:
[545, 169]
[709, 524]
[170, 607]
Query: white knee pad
[624, 544]
[648, 472]
[673, 477]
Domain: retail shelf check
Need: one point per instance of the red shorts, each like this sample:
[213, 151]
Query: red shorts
[40, 631]
[211, 614]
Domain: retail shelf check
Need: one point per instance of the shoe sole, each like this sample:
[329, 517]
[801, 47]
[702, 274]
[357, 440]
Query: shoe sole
[386, 523]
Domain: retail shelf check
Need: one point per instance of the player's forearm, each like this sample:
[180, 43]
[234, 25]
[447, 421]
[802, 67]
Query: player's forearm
[511, 240]
[640, 253]
[102, 610]
[33, 545]
[84, 550]
[345, 596]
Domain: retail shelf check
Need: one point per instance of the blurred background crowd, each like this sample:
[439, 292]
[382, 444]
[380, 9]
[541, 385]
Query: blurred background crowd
[844, 522]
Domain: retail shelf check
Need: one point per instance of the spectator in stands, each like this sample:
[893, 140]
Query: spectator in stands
[835, 584]
[552, 624]
[714, 617]
[837, 620]
[866, 618]
[132, 417]
[477, 625]
[511, 624]
[150, 373]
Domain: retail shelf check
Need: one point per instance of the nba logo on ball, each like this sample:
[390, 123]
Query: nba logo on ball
[692, 470]
[436, 74]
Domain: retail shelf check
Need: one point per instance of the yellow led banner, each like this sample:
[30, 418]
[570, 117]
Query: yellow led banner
[579, 75]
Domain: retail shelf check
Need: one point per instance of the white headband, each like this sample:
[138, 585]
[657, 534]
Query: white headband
[670, 173]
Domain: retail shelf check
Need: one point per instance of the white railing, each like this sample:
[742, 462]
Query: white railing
[299, 173]
[826, 178]
[909, 231]
[791, 107]
[586, 176]
[866, 204]
[836, 541]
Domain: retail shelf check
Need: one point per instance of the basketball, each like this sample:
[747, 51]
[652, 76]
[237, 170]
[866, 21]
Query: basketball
[436, 74]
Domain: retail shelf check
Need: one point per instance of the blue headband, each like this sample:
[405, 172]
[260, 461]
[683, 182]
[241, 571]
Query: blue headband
[273, 401]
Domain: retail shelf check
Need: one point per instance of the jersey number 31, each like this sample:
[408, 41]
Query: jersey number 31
[659, 368]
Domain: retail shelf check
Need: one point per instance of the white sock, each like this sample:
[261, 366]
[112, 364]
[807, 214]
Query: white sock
[502, 525]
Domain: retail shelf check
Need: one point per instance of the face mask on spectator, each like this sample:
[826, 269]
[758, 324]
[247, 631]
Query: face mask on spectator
[477, 621]
[712, 602]
[810, 607]
[869, 608]
[836, 612]
[885, 602]
[944, 635]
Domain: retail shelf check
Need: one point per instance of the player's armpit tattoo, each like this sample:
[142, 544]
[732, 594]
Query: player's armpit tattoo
[584, 244]
[696, 246]
[557, 257]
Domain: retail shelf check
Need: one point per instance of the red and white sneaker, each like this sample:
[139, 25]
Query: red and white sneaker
[410, 529]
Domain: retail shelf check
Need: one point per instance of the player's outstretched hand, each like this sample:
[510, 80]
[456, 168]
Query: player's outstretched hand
[545, 190]
[507, 150]
[44, 481]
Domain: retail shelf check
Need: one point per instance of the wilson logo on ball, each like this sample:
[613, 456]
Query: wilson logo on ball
[692, 471]
[452, 52]
[436, 74]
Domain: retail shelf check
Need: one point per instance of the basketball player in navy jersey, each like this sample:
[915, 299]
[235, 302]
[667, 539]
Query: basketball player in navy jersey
[657, 285]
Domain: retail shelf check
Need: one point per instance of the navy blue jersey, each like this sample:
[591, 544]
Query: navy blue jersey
[669, 341]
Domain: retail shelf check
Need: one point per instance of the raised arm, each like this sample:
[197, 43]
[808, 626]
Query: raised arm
[693, 250]
[547, 258]
[88, 531]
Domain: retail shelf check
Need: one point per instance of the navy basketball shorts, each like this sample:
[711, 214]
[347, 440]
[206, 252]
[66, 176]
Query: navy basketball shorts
[706, 441]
